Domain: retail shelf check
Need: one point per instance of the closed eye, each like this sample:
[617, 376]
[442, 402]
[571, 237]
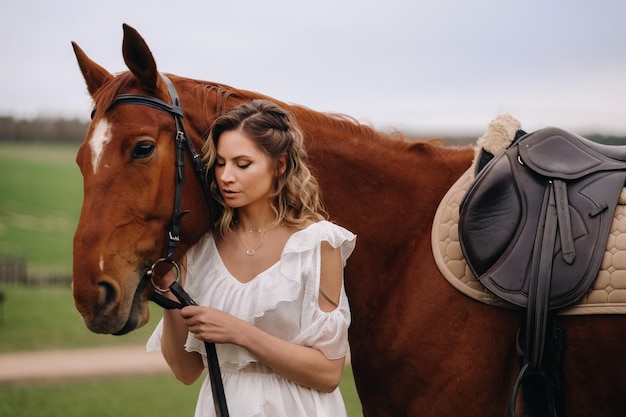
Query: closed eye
[240, 165]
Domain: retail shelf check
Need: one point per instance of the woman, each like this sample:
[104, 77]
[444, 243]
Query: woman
[268, 278]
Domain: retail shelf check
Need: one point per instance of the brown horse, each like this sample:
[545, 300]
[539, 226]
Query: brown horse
[418, 346]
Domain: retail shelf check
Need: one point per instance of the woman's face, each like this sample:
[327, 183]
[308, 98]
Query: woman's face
[244, 173]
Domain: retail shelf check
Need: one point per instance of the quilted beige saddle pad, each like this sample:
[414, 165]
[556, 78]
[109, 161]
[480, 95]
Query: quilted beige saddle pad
[607, 295]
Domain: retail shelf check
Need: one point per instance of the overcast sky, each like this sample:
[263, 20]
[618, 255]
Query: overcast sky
[426, 65]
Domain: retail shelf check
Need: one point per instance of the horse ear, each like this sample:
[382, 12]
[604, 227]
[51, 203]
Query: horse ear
[139, 59]
[95, 76]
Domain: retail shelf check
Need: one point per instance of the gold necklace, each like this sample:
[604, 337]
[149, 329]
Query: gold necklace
[252, 230]
[250, 252]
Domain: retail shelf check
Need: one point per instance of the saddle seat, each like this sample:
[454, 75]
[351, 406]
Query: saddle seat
[616, 152]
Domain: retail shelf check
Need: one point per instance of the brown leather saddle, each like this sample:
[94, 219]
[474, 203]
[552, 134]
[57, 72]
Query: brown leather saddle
[534, 224]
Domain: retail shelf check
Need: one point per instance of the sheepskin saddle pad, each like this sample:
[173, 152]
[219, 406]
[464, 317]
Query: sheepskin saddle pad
[602, 272]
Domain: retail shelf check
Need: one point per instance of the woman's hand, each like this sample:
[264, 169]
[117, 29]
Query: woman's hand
[214, 326]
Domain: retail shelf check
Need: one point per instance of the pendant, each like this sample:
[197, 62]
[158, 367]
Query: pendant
[249, 252]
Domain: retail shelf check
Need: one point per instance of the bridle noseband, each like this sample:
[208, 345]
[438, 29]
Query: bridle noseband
[182, 140]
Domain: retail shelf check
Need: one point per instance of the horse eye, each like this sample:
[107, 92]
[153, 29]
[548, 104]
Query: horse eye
[143, 150]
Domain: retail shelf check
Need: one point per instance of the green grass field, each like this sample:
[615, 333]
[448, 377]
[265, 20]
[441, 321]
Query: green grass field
[40, 200]
[158, 396]
[44, 318]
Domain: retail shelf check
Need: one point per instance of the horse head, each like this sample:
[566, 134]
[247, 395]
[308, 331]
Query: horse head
[128, 162]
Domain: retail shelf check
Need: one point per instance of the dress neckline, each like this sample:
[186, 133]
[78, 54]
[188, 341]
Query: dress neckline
[265, 271]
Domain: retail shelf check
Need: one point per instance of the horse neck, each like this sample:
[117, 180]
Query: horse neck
[370, 182]
[385, 191]
[375, 184]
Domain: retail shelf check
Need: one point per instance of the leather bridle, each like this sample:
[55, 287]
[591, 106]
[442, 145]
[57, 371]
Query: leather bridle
[182, 140]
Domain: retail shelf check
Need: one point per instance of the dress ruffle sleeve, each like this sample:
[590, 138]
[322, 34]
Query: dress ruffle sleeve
[325, 331]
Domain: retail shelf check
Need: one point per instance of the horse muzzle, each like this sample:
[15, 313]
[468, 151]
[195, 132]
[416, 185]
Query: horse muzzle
[109, 308]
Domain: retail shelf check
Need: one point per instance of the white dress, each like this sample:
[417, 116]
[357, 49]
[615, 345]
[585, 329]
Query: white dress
[283, 301]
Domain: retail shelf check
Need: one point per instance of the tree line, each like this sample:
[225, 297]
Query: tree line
[42, 129]
[60, 130]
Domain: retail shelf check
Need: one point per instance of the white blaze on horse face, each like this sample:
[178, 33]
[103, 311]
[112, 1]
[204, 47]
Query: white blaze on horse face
[101, 136]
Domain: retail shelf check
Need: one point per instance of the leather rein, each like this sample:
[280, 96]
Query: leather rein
[181, 141]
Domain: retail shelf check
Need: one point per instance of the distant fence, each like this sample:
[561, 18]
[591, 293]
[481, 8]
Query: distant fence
[13, 271]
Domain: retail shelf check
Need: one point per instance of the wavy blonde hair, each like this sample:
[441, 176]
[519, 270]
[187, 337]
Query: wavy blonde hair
[296, 197]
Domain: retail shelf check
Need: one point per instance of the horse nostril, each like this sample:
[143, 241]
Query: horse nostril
[108, 295]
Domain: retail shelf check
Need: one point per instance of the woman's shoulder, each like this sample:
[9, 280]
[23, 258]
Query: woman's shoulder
[321, 228]
[203, 246]
[309, 237]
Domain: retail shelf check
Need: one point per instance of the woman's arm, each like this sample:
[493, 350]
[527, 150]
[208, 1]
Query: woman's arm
[186, 366]
[303, 365]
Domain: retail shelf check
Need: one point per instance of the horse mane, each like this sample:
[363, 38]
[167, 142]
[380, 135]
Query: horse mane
[213, 99]
[355, 129]
[349, 127]
[222, 93]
